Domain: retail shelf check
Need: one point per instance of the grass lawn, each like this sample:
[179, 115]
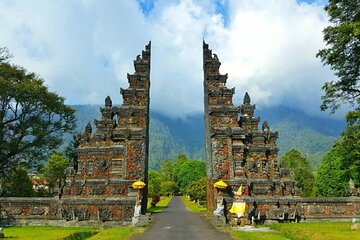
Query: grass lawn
[304, 231]
[257, 236]
[42, 233]
[56, 233]
[116, 233]
[160, 206]
[192, 206]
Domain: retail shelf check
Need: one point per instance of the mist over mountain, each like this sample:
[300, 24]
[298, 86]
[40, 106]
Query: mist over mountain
[312, 136]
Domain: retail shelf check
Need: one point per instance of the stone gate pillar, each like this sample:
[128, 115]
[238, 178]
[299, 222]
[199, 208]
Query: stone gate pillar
[113, 154]
[237, 151]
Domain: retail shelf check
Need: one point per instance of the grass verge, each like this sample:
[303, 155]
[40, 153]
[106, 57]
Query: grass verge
[257, 236]
[43, 233]
[160, 206]
[317, 231]
[192, 206]
[116, 233]
[52, 233]
[303, 231]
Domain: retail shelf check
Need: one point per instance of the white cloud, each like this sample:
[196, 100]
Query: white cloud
[271, 52]
[84, 49]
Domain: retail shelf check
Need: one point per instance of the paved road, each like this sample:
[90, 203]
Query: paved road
[176, 222]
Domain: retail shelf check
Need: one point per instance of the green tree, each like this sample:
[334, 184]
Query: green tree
[197, 189]
[189, 171]
[154, 183]
[18, 184]
[70, 152]
[180, 159]
[55, 170]
[342, 54]
[32, 119]
[332, 179]
[300, 171]
[168, 186]
[350, 145]
[167, 170]
[342, 162]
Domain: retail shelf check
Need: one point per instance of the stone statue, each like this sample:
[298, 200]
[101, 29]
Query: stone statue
[352, 189]
[137, 211]
[219, 211]
[238, 208]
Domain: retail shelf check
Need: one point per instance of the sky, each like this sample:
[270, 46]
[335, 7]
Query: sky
[84, 48]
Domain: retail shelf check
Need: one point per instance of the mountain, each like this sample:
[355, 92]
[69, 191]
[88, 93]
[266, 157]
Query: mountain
[169, 137]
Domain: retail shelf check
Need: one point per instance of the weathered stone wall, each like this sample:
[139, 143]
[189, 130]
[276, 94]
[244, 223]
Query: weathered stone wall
[14, 210]
[97, 211]
[303, 209]
[52, 211]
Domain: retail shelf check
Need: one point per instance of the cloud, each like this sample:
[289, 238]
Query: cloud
[270, 52]
[83, 49]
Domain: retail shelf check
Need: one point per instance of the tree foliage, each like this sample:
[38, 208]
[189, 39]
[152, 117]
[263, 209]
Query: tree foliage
[32, 119]
[182, 175]
[197, 189]
[18, 184]
[4, 54]
[300, 171]
[342, 162]
[70, 152]
[342, 54]
[189, 171]
[154, 182]
[55, 170]
[332, 179]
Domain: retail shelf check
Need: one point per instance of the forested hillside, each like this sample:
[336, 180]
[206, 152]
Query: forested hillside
[168, 137]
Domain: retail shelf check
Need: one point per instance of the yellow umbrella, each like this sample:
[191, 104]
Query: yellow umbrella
[138, 185]
[220, 184]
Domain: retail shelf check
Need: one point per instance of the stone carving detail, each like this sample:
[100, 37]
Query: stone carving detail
[78, 190]
[118, 191]
[276, 213]
[103, 165]
[352, 189]
[53, 211]
[105, 214]
[67, 214]
[81, 214]
[88, 128]
[316, 210]
[15, 211]
[36, 211]
[357, 210]
[97, 190]
[338, 211]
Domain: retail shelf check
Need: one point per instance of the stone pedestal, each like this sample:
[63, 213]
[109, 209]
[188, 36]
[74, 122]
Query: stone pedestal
[355, 226]
[140, 220]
